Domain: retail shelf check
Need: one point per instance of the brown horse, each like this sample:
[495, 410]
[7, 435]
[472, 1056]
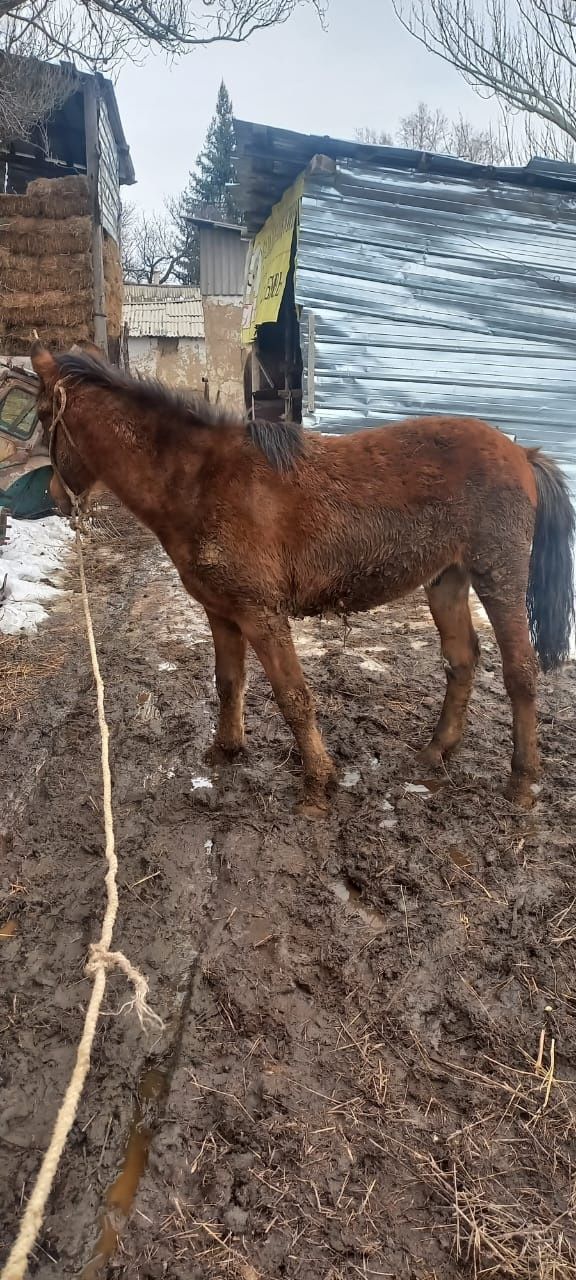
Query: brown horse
[267, 521]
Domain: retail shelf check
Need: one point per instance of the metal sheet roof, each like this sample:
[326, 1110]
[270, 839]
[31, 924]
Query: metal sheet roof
[435, 294]
[268, 160]
[163, 311]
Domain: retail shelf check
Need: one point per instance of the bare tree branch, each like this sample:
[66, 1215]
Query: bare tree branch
[523, 52]
[428, 129]
[149, 247]
[373, 137]
[29, 93]
[100, 34]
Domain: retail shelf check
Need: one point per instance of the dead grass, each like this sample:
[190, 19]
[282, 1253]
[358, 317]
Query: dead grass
[506, 1178]
[27, 662]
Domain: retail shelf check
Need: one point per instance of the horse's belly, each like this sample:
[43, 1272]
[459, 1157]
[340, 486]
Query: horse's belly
[365, 593]
[373, 561]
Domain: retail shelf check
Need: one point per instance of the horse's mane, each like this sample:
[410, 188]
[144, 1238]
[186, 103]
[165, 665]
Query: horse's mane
[282, 443]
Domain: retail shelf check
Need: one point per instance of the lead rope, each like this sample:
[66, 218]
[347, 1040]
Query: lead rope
[101, 960]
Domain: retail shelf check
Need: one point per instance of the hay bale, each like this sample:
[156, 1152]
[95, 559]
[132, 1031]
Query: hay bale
[114, 284]
[40, 236]
[13, 207]
[49, 198]
[59, 197]
[75, 186]
[59, 339]
[46, 278]
[46, 309]
[20, 273]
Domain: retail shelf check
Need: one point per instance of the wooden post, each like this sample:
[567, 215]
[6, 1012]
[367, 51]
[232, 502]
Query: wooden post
[255, 376]
[125, 347]
[93, 172]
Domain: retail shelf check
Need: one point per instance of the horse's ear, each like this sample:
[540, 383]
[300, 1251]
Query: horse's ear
[86, 348]
[43, 362]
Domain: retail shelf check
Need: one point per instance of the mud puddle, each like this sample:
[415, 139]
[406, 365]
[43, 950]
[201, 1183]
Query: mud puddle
[350, 895]
[152, 1092]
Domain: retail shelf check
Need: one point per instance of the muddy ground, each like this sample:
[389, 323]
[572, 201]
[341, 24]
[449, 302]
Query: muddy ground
[369, 1053]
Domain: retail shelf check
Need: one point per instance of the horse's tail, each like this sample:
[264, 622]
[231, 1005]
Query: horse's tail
[551, 586]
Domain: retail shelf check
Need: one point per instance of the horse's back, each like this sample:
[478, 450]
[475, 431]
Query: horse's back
[419, 458]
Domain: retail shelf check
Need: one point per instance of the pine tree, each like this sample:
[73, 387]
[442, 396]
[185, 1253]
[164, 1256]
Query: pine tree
[214, 166]
[206, 194]
[187, 265]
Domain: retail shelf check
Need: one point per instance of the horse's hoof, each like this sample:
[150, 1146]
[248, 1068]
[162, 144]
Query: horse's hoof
[430, 757]
[219, 753]
[522, 792]
[331, 782]
[312, 810]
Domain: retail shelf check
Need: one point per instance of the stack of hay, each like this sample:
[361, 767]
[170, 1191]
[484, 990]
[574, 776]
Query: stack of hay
[46, 267]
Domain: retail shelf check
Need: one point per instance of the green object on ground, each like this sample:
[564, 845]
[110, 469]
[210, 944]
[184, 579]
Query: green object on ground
[28, 498]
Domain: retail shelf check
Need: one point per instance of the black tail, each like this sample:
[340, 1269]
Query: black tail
[551, 587]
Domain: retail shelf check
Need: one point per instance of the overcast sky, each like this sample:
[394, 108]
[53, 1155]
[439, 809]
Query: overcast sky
[364, 69]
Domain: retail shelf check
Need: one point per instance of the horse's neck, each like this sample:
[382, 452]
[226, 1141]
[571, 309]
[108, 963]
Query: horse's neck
[125, 457]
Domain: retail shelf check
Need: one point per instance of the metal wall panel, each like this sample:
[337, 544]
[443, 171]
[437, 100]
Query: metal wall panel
[109, 175]
[438, 294]
[222, 262]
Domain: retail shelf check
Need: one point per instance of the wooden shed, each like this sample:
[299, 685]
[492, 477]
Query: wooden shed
[60, 269]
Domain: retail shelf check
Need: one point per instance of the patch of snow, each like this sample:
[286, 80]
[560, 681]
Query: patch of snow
[201, 782]
[371, 664]
[167, 666]
[32, 558]
[416, 789]
[351, 778]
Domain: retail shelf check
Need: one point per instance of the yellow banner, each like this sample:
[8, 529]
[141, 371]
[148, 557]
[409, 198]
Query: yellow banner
[269, 264]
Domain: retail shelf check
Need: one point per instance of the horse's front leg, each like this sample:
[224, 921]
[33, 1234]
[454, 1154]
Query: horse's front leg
[272, 642]
[230, 668]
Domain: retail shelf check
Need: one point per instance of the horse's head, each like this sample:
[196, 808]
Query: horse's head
[62, 428]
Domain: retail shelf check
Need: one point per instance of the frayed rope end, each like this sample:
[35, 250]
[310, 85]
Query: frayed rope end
[100, 958]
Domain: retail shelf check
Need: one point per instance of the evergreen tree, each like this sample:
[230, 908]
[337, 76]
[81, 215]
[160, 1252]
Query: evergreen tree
[206, 194]
[214, 167]
[187, 264]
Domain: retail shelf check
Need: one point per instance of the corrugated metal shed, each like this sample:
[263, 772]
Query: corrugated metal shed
[268, 160]
[438, 295]
[222, 259]
[427, 284]
[163, 311]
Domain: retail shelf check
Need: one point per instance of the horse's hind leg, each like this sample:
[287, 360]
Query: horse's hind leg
[448, 600]
[230, 656]
[272, 642]
[520, 668]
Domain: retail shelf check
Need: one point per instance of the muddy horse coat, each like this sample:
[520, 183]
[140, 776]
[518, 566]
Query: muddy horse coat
[264, 522]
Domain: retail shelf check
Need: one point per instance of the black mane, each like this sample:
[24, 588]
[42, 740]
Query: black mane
[282, 443]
